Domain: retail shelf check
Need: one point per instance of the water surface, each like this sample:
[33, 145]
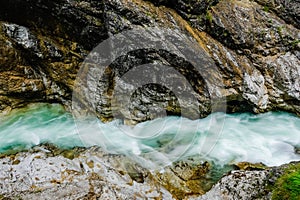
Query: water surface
[269, 138]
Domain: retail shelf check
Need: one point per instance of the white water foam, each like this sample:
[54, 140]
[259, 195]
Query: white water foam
[269, 138]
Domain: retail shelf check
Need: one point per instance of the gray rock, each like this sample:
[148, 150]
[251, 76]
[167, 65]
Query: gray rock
[240, 185]
[255, 52]
[50, 173]
[91, 174]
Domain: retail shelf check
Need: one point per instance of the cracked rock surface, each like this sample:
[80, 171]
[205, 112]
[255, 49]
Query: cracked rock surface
[254, 45]
[45, 172]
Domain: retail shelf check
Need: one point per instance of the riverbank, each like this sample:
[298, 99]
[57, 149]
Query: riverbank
[46, 172]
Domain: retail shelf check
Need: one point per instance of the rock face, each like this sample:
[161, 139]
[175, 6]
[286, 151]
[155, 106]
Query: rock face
[254, 45]
[46, 172]
[256, 184]
[91, 174]
[240, 185]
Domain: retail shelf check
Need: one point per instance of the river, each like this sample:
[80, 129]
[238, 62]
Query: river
[269, 138]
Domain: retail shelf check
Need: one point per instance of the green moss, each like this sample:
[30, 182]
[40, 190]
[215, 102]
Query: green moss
[294, 43]
[266, 8]
[288, 185]
[209, 16]
[280, 30]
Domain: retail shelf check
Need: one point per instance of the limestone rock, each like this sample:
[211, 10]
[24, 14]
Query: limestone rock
[239, 185]
[254, 46]
[46, 172]
[91, 174]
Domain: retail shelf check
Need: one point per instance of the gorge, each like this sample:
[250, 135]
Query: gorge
[192, 97]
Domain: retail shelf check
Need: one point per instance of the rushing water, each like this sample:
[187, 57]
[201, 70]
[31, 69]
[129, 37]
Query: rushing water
[269, 138]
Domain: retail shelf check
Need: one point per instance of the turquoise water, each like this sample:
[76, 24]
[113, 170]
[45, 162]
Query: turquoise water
[269, 138]
[36, 124]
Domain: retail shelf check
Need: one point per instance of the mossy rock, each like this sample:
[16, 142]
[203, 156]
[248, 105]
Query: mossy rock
[288, 185]
[250, 166]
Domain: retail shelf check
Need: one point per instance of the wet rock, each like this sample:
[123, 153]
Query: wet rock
[250, 166]
[297, 150]
[254, 45]
[187, 177]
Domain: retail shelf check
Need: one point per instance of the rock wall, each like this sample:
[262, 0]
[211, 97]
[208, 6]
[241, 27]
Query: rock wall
[253, 44]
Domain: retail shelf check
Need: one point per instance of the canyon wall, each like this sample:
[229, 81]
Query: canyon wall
[253, 45]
